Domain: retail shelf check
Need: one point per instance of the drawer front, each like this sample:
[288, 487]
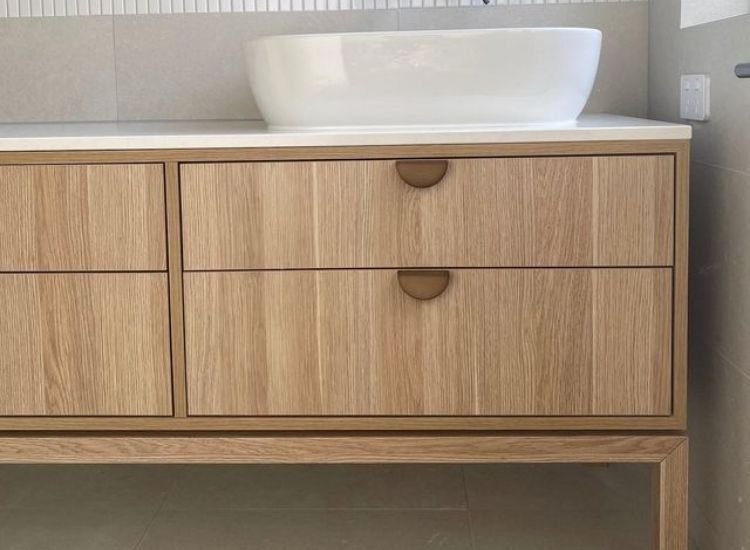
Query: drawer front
[505, 212]
[84, 345]
[82, 217]
[571, 342]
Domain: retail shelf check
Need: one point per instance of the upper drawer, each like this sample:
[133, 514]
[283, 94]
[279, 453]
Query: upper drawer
[82, 217]
[504, 212]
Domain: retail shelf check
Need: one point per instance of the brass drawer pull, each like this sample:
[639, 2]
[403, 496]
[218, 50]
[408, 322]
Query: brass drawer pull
[424, 285]
[422, 173]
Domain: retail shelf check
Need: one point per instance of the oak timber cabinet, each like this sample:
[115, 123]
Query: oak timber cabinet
[434, 297]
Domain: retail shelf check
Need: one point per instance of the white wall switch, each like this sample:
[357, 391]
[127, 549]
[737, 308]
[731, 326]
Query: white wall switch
[695, 97]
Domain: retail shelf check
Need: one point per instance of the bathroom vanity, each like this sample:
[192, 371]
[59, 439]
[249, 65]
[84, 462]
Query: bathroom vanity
[218, 293]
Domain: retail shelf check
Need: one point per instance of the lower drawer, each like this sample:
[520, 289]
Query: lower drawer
[84, 345]
[515, 342]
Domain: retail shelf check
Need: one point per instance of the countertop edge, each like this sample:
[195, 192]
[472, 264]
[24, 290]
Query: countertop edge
[233, 135]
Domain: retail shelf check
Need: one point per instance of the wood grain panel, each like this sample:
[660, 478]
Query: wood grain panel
[82, 218]
[634, 209]
[339, 424]
[349, 449]
[682, 246]
[496, 342]
[349, 152]
[84, 345]
[670, 500]
[635, 362]
[510, 212]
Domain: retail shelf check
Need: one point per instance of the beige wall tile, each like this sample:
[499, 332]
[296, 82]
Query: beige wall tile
[720, 450]
[193, 66]
[714, 49]
[622, 84]
[719, 266]
[57, 69]
[720, 260]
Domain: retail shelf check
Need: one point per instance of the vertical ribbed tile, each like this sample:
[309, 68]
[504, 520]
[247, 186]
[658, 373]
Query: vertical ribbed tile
[49, 8]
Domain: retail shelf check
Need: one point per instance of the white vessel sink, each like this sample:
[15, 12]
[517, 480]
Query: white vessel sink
[423, 78]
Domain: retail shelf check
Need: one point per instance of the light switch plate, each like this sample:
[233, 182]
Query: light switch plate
[695, 97]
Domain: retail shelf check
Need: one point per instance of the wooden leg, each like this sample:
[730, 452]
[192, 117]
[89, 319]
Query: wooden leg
[668, 455]
[670, 485]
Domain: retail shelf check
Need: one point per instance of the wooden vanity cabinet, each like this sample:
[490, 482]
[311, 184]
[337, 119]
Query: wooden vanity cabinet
[421, 304]
[524, 287]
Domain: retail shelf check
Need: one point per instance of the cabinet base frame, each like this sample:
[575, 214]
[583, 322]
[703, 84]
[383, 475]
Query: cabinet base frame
[667, 455]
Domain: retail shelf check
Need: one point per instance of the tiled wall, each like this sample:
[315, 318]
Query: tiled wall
[719, 266]
[56, 8]
[698, 12]
[192, 66]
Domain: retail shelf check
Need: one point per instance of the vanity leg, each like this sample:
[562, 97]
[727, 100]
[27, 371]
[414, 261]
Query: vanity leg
[670, 504]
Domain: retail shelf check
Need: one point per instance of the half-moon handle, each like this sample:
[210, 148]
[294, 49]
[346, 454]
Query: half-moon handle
[424, 285]
[422, 173]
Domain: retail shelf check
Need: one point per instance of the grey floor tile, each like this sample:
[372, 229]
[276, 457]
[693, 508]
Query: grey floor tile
[13, 485]
[72, 529]
[320, 486]
[93, 487]
[514, 487]
[308, 530]
[561, 530]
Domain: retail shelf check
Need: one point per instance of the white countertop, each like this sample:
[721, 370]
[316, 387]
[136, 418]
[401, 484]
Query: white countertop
[92, 136]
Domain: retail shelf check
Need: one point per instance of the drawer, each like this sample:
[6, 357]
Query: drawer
[492, 212]
[84, 345]
[82, 218]
[516, 342]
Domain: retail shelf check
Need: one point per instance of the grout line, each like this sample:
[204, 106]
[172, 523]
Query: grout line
[721, 167]
[156, 513]
[468, 508]
[361, 509]
[714, 347]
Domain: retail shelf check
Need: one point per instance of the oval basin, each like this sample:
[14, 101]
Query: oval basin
[423, 78]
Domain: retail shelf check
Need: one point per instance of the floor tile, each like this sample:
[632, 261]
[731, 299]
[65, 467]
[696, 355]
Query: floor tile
[72, 529]
[308, 530]
[318, 486]
[13, 485]
[513, 487]
[94, 487]
[561, 530]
